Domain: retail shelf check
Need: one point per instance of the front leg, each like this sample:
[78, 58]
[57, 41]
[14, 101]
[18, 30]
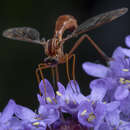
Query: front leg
[41, 67]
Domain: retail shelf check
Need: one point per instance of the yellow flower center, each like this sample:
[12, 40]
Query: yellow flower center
[91, 117]
[58, 93]
[125, 81]
[36, 123]
[125, 70]
[49, 99]
[83, 113]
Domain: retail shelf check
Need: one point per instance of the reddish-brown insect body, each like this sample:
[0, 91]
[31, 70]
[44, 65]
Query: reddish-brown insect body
[53, 49]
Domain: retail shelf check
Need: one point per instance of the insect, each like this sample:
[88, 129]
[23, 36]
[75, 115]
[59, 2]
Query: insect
[53, 48]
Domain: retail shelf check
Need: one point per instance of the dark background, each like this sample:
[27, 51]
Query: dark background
[18, 60]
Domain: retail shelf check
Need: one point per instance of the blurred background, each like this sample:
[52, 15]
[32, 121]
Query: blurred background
[18, 60]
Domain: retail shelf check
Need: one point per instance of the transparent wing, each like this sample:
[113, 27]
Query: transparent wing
[99, 20]
[23, 34]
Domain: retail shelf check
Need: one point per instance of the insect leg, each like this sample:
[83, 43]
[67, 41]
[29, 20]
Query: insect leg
[73, 70]
[54, 72]
[73, 67]
[57, 73]
[93, 43]
[39, 69]
[53, 76]
[67, 69]
[37, 75]
[43, 66]
[38, 79]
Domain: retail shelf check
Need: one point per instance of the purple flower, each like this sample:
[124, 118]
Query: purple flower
[96, 108]
[118, 72]
[124, 125]
[7, 119]
[46, 115]
[8, 112]
[93, 114]
[118, 67]
[112, 121]
[49, 98]
[67, 100]
[125, 109]
[96, 70]
[90, 116]
[116, 86]
[70, 98]
[98, 90]
[113, 118]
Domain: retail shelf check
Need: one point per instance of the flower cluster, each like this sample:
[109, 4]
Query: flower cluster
[107, 107]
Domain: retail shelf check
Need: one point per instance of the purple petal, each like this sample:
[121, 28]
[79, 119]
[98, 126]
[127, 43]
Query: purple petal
[121, 92]
[117, 54]
[29, 126]
[25, 113]
[125, 127]
[44, 108]
[100, 114]
[84, 110]
[125, 108]
[80, 98]
[61, 88]
[72, 87]
[112, 106]
[99, 88]
[49, 112]
[8, 111]
[15, 124]
[96, 70]
[127, 41]
[104, 126]
[70, 108]
[126, 51]
[49, 89]
[113, 118]
[41, 99]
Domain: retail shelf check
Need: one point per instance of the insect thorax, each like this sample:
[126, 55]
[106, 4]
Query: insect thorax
[53, 48]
